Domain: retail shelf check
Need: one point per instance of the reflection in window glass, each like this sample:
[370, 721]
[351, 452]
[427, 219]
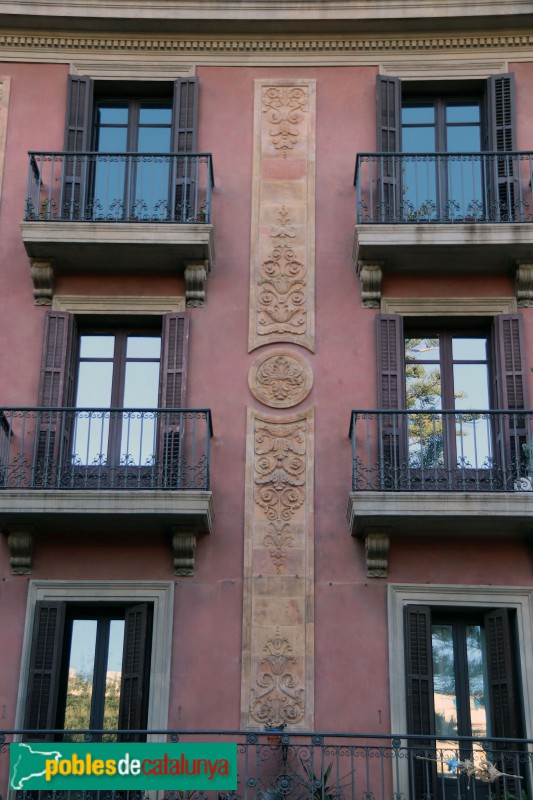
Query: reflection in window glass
[80, 676]
[477, 679]
[113, 676]
[445, 696]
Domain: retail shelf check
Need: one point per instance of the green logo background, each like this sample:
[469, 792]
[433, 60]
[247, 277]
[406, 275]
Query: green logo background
[31, 762]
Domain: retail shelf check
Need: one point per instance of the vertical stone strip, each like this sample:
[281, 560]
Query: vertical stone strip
[282, 281]
[278, 625]
[5, 84]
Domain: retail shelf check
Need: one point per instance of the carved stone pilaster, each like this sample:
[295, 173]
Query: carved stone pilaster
[370, 274]
[377, 552]
[20, 544]
[195, 283]
[184, 549]
[524, 284]
[42, 275]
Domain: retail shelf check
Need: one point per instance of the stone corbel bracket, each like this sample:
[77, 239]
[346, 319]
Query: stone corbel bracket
[20, 546]
[370, 274]
[524, 284]
[195, 283]
[42, 275]
[377, 541]
[184, 548]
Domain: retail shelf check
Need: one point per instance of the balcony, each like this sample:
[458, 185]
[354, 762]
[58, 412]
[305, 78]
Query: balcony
[125, 212]
[332, 766]
[440, 473]
[71, 469]
[449, 211]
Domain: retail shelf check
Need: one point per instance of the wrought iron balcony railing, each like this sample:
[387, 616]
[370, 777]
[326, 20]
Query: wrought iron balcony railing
[407, 188]
[119, 187]
[467, 451]
[91, 448]
[333, 766]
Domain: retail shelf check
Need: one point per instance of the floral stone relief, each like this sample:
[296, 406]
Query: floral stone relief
[280, 379]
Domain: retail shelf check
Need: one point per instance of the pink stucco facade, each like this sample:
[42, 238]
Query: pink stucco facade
[351, 654]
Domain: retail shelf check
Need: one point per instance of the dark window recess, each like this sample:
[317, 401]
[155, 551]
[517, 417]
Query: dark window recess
[115, 122]
[452, 125]
[461, 681]
[450, 378]
[103, 372]
[89, 669]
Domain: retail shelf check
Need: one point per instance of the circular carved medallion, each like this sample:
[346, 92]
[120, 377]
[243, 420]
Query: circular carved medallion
[280, 379]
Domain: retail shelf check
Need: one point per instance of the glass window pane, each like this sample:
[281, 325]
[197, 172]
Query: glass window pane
[477, 679]
[464, 139]
[112, 140]
[94, 384]
[421, 113]
[471, 386]
[155, 115]
[425, 348]
[142, 384]
[154, 140]
[444, 691]
[462, 112]
[143, 347]
[80, 676]
[468, 349]
[97, 346]
[113, 676]
[418, 140]
[112, 115]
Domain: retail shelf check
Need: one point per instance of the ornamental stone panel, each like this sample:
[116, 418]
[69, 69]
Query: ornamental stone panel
[278, 650]
[283, 214]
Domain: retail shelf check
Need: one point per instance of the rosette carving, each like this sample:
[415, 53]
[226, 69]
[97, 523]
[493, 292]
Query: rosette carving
[281, 379]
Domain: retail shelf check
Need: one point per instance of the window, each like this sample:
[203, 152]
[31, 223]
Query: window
[437, 187]
[117, 369]
[450, 126]
[450, 377]
[446, 370]
[117, 376]
[106, 660]
[119, 122]
[96, 674]
[461, 678]
[130, 187]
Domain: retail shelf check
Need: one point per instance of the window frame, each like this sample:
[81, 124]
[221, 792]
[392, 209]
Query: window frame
[160, 594]
[458, 598]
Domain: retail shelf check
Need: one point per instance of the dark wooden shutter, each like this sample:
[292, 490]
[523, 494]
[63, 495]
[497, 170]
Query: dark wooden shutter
[44, 670]
[172, 394]
[133, 706]
[78, 130]
[389, 127]
[502, 137]
[419, 690]
[391, 395]
[511, 394]
[56, 390]
[502, 683]
[184, 140]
